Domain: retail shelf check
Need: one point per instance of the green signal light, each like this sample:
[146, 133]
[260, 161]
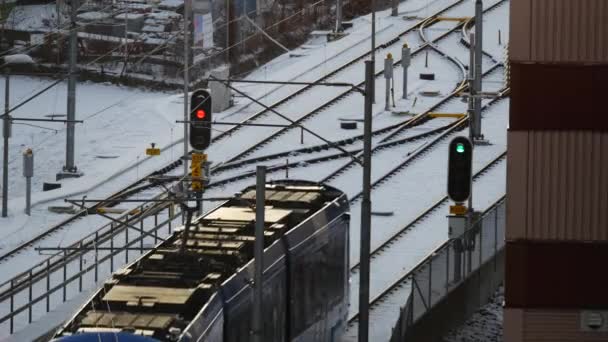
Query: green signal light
[460, 148]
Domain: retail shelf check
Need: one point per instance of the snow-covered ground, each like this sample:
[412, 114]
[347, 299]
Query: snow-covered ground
[484, 326]
[119, 123]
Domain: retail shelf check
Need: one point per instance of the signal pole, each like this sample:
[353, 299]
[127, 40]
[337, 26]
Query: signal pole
[6, 132]
[258, 264]
[187, 11]
[366, 207]
[478, 68]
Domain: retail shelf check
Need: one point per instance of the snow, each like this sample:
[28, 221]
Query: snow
[129, 16]
[484, 326]
[119, 123]
[163, 15]
[93, 16]
[33, 18]
[18, 59]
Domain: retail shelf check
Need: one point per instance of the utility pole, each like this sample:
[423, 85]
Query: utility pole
[258, 262]
[187, 12]
[366, 206]
[338, 16]
[70, 169]
[472, 118]
[478, 68]
[6, 133]
[373, 89]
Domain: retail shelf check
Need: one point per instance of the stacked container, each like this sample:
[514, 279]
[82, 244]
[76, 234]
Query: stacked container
[557, 173]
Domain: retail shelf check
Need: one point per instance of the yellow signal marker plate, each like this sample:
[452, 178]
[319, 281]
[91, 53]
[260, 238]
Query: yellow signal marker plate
[153, 151]
[458, 209]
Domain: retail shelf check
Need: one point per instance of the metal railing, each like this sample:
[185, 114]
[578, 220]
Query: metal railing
[80, 266]
[451, 264]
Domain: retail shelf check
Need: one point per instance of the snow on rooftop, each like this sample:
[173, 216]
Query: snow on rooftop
[129, 16]
[93, 16]
[18, 59]
[153, 28]
[32, 18]
[171, 3]
[164, 15]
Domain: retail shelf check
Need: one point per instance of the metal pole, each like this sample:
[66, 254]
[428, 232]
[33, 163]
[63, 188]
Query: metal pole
[388, 75]
[187, 10]
[28, 172]
[478, 66]
[28, 195]
[405, 63]
[395, 9]
[366, 207]
[338, 16]
[69, 150]
[373, 88]
[472, 114]
[258, 262]
[6, 133]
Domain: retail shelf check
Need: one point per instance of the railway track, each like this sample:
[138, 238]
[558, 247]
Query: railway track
[386, 143]
[141, 185]
[396, 293]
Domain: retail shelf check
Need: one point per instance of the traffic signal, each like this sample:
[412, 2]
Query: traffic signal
[200, 119]
[459, 169]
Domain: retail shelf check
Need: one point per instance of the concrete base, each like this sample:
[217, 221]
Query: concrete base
[335, 36]
[454, 310]
[67, 174]
[481, 142]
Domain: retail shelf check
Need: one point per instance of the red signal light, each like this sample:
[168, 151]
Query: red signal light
[200, 114]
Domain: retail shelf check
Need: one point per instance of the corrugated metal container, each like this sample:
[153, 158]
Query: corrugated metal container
[557, 185]
[558, 96]
[547, 325]
[555, 274]
[559, 31]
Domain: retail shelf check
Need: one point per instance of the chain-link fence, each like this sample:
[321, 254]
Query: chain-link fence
[450, 265]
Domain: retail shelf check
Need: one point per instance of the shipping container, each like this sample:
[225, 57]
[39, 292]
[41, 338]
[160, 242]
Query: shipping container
[557, 185]
[559, 31]
[547, 325]
[558, 97]
[556, 274]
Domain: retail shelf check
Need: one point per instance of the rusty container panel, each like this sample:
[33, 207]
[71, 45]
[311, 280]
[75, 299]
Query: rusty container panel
[557, 185]
[517, 168]
[558, 96]
[555, 274]
[559, 31]
[513, 325]
[547, 325]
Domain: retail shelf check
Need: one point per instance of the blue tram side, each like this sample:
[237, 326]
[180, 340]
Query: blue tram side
[205, 294]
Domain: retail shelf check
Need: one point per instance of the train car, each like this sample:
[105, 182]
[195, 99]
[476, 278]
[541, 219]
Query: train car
[204, 291]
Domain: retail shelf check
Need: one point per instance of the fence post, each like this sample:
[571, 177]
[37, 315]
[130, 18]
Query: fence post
[480, 243]
[96, 256]
[141, 232]
[495, 239]
[171, 210]
[48, 285]
[155, 228]
[111, 247]
[65, 273]
[12, 308]
[29, 309]
[430, 280]
[80, 268]
[447, 271]
[127, 241]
